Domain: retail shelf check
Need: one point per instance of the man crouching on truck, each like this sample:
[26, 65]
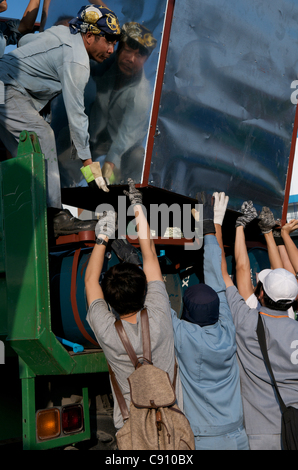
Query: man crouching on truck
[53, 62]
[128, 289]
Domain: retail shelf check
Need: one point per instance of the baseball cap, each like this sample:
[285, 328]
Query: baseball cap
[279, 284]
[261, 275]
[200, 305]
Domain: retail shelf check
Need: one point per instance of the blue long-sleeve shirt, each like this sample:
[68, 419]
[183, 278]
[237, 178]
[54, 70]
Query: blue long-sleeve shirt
[48, 64]
[207, 360]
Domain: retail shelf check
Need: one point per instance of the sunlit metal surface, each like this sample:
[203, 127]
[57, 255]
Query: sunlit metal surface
[226, 116]
[126, 136]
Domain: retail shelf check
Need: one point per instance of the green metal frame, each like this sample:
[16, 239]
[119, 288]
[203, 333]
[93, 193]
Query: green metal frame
[25, 313]
[30, 441]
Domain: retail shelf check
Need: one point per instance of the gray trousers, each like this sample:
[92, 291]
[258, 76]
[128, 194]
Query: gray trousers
[18, 114]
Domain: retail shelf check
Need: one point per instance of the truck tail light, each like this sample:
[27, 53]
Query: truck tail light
[72, 419]
[48, 423]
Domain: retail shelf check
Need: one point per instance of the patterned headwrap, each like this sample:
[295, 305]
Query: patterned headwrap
[140, 34]
[96, 19]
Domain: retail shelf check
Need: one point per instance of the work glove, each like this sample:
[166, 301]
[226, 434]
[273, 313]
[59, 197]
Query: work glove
[267, 221]
[249, 214]
[107, 224]
[135, 196]
[220, 207]
[107, 173]
[93, 173]
[208, 212]
[125, 251]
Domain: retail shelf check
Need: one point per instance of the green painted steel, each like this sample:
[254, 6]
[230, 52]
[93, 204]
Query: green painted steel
[25, 247]
[25, 310]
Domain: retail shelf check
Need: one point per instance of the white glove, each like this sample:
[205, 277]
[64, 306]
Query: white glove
[220, 207]
[107, 224]
[93, 172]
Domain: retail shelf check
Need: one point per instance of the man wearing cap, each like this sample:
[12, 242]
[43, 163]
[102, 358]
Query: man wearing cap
[205, 347]
[278, 257]
[119, 115]
[53, 62]
[262, 414]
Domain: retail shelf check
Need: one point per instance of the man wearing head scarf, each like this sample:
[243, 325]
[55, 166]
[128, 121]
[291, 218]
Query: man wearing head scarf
[11, 31]
[120, 113]
[53, 62]
[205, 346]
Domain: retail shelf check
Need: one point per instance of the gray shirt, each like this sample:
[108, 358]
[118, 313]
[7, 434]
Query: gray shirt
[262, 413]
[101, 320]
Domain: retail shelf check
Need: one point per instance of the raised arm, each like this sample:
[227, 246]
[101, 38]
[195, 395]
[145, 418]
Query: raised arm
[242, 263]
[29, 17]
[220, 206]
[151, 265]
[44, 14]
[291, 248]
[266, 224]
[104, 230]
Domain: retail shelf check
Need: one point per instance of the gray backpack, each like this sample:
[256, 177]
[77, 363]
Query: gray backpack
[154, 421]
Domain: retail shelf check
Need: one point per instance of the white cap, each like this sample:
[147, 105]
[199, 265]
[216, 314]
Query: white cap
[261, 275]
[279, 284]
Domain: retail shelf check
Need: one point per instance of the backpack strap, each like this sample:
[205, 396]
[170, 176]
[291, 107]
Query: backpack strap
[262, 341]
[146, 335]
[119, 396]
[133, 357]
[146, 340]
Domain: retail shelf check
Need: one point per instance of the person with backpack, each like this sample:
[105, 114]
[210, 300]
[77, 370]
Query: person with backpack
[205, 345]
[262, 408]
[128, 290]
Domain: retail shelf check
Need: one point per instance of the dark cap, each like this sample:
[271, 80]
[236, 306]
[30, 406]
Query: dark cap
[201, 305]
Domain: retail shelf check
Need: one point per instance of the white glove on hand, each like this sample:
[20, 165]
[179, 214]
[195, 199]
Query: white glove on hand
[220, 207]
[107, 224]
[93, 173]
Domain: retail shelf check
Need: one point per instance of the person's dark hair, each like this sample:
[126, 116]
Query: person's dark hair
[282, 304]
[258, 288]
[124, 287]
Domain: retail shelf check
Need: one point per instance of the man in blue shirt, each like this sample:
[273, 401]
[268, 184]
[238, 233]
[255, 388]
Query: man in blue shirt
[53, 62]
[205, 345]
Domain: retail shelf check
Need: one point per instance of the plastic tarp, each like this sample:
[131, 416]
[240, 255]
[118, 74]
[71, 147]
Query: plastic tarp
[226, 116]
[126, 130]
